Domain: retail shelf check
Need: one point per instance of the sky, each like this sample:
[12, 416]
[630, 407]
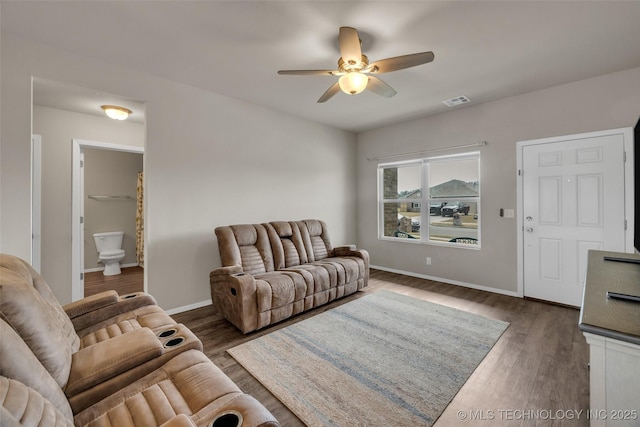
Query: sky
[462, 169]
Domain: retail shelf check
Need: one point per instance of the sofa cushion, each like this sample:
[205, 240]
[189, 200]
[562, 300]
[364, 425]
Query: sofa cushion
[347, 269]
[286, 243]
[24, 406]
[247, 246]
[47, 331]
[19, 363]
[30, 276]
[316, 239]
[321, 277]
[186, 384]
[277, 289]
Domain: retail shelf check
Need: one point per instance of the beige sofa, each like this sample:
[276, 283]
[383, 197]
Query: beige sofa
[109, 367]
[276, 270]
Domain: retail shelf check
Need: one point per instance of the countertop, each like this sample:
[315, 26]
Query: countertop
[613, 318]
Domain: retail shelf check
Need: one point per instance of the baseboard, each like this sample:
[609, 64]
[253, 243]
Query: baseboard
[448, 281]
[189, 307]
[133, 264]
[93, 270]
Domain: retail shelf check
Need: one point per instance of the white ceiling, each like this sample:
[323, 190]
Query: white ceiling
[484, 50]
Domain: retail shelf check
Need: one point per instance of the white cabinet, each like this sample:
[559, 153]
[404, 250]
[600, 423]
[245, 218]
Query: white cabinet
[615, 381]
[612, 330]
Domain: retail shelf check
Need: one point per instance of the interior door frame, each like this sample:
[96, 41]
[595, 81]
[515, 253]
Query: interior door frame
[77, 207]
[627, 136]
[36, 202]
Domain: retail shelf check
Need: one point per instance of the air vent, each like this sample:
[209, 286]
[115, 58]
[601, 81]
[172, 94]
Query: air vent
[456, 101]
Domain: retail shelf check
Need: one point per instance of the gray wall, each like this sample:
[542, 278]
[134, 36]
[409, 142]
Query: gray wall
[57, 128]
[210, 160]
[112, 173]
[606, 102]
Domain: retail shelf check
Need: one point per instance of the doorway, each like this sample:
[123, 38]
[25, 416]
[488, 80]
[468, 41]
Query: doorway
[574, 194]
[60, 112]
[78, 208]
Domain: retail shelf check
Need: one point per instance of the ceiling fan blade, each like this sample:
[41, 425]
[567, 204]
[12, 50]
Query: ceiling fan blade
[329, 93]
[376, 85]
[308, 72]
[350, 45]
[401, 62]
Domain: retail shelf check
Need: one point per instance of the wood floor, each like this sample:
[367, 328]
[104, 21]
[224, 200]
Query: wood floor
[130, 280]
[536, 374]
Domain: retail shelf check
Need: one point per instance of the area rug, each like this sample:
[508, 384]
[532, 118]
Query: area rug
[382, 360]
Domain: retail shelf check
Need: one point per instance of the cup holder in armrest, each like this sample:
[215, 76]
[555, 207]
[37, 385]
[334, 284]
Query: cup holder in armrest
[228, 419]
[175, 339]
[167, 333]
[174, 342]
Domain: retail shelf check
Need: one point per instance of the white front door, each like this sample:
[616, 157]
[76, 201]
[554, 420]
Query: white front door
[573, 200]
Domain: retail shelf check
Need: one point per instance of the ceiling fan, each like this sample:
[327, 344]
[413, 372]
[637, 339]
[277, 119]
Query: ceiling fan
[355, 71]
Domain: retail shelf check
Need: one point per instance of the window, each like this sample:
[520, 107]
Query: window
[448, 185]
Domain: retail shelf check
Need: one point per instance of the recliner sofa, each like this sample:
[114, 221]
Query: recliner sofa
[120, 373]
[276, 270]
[94, 319]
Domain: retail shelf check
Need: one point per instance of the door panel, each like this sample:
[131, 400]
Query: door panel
[551, 259]
[590, 203]
[566, 212]
[550, 200]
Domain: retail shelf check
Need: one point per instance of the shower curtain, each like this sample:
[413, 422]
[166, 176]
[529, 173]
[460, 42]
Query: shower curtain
[140, 222]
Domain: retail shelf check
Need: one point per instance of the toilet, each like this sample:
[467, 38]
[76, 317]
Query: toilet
[109, 246]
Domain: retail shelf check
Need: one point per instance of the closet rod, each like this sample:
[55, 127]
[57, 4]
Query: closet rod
[432, 150]
[111, 197]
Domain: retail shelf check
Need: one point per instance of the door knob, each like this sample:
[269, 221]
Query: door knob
[529, 229]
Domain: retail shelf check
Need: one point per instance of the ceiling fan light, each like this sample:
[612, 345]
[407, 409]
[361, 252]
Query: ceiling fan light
[353, 82]
[116, 113]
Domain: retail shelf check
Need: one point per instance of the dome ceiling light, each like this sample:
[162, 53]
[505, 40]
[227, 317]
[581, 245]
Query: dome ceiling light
[116, 113]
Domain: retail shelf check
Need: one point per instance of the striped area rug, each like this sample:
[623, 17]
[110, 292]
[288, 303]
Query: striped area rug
[382, 360]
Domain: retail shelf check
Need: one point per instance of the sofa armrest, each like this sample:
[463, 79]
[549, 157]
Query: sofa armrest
[90, 311]
[226, 271]
[252, 412]
[94, 302]
[344, 251]
[173, 339]
[234, 296]
[104, 360]
[351, 251]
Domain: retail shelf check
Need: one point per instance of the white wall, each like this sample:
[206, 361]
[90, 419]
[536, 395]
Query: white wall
[606, 102]
[57, 128]
[210, 160]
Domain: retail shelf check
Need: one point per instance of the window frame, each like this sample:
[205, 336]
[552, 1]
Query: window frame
[426, 199]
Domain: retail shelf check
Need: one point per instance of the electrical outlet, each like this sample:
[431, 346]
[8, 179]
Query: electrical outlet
[428, 260]
[509, 213]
